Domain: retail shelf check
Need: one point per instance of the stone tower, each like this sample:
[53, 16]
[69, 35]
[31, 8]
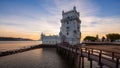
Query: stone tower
[70, 27]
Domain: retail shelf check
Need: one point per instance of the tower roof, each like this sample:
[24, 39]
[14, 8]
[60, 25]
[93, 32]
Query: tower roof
[73, 10]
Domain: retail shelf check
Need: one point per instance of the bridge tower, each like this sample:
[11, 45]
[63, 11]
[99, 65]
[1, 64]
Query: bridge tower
[70, 27]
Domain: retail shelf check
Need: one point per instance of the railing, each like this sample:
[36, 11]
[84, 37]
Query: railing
[103, 57]
[110, 56]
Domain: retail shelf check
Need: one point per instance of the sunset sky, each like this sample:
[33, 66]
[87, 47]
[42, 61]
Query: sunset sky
[28, 18]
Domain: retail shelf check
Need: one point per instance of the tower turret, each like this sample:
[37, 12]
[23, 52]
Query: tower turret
[74, 7]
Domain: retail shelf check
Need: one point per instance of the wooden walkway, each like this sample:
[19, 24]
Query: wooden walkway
[103, 57]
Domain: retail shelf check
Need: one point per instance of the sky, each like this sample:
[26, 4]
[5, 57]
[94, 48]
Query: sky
[29, 18]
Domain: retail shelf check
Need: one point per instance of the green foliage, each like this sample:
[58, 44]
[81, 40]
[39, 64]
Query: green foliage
[97, 36]
[112, 37]
[103, 39]
[90, 38]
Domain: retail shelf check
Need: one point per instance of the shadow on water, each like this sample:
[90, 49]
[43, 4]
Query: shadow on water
[68, 61]
[61, 61]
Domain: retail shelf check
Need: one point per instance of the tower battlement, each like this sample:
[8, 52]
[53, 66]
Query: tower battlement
[71, 13]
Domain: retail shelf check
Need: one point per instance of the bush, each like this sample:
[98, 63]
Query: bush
[90, 38]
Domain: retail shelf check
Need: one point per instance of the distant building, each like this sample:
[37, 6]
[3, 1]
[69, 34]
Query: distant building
[54, 39]
[69, 30]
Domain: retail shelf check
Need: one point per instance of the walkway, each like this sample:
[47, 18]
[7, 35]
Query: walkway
[103, 56]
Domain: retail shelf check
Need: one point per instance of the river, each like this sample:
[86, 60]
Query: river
[37, 58]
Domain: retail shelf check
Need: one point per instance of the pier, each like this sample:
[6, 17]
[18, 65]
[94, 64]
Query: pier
[104, 57]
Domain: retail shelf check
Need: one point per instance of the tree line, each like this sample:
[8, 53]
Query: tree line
[112, 37]
[14, 39]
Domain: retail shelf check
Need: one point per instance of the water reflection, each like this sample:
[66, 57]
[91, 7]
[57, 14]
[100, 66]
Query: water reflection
[11, 45]
[38, 58]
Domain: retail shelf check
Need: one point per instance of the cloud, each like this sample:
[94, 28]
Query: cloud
[84, 6]
[38, 24]
[49, 22]
[101, 24]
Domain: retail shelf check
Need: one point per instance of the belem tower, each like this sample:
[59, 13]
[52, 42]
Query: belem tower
[69, 30]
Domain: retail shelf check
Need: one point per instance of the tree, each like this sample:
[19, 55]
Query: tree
[90, 38]
[112, 37]
[103, 39]
[97, 37]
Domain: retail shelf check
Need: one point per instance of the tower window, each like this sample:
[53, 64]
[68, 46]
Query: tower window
[67, 28]
[67, 22]
[75, 31]
[67, 33]
[78, 27]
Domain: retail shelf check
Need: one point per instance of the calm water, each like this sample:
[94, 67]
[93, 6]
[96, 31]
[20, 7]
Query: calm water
[37, 58]
[11, 45]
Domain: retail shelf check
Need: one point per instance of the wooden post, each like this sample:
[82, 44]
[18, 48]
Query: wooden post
[100, 56]
[89, 57]
[88, 54]
[69, 53]
[85, 49]
[72, 49]
[81, 52]
[112, 55]
[90, 63]
[117, 62]
[79, 61]
[72, 55]
[82, 61]
[76, 50]
[92, 51]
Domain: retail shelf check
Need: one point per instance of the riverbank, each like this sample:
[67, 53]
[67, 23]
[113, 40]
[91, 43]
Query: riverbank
[101, 43]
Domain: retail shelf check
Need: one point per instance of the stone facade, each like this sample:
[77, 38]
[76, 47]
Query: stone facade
[51, 39]
[70, 27]
[69, 30]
